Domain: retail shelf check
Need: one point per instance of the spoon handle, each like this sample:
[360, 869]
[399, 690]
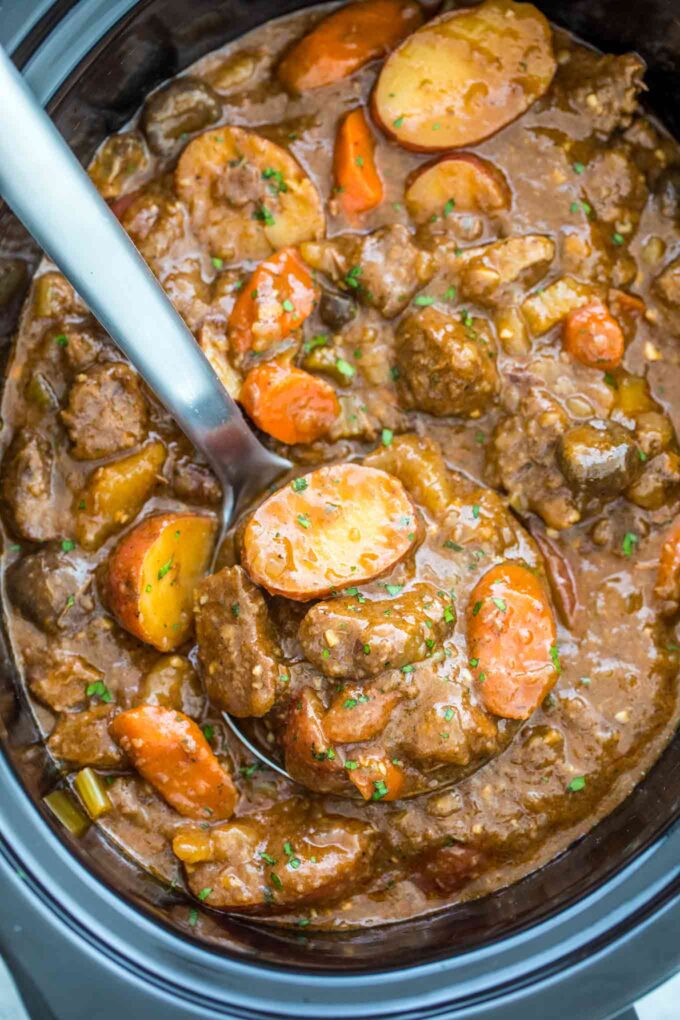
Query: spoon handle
[45, 185]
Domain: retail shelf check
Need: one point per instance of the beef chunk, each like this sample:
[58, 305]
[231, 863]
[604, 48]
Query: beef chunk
[505, 269]
[446, 366]
[27, 487]
[522, 457]
[154, 219]
[616, 189]
[347, 638]
[291, 856]
[445, 869]
[383, 269]
[106, 411]
[236, 643]
[61, 682]
[82, 738]
[667, 285]
[599, 459]
[52, 590]
[242, 183]
[180, 108]
[195, 482]
[601, 90]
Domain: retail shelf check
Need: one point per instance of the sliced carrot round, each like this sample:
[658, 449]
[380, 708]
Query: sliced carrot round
[512, 639]
[465, 75]
[346, 40]
[457, 183]
[276, 300]
[592, 335]
[169, 750]
[339, 525]
[356, 176]
[289, 404]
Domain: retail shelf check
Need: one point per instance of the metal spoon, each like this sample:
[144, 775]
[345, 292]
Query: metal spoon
[45, 185]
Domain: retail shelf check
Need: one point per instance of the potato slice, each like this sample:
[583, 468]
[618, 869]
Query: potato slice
[340, 525]
[115, 494]
[149, 579]
[246, 196]
[346, 40]
[465, 75]
[460, 183]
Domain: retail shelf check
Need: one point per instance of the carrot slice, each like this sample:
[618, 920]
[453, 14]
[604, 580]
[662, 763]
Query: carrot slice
[169, 750]
[289, 404]
[356, 175]
[343, 524]
[593, 336]
[346, 40]
[668, 574]
[377, 778]
[512, 640]
[276, 300]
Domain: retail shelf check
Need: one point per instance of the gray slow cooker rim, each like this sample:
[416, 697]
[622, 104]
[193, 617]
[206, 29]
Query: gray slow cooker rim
[623, 929]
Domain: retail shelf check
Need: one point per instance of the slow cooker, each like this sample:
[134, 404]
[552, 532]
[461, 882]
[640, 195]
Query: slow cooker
[584, 936]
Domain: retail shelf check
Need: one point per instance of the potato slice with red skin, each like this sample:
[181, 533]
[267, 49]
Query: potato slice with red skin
[459, 183]
[169, 750]
[275, 206]
[512, 639]
[464, 76]
[346, 40]
[347, 525]
[149, 579]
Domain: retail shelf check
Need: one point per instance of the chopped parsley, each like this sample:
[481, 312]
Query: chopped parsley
[249, 770]
[450, 544]
[298, 484]
[277, 184]
[393, 589]
[193, 917]
[577, 784]
[408, 668]
[359, 160]
[61, 340]
[367, 649]
[499, 604]
[344, 368]
[578, 168]
[450, 294]
[351, 765]
[204, 893]
[208, 732]
[268, 859]
[275, 880]
[99, 690]
[288, 305]
[475, 511]
[352, 277]
[316, 341]
[217, 262]
[477, 606]
[68, 544]
[630, 540]
[424, 300]
[555, 656]
[165, 568]
[303, 520]
[380, 789]
[448, 714]
[398, 122]
[449, 206]
[70, 601]
[263, 214]
[386, 437]
[474, 663]
[235, 610]
[449, 615]
[617, 238]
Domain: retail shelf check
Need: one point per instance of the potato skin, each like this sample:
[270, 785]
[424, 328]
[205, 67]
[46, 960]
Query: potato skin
[135, 597]
[473, 184]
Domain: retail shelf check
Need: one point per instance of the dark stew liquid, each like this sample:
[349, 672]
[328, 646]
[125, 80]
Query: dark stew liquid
[444, 283]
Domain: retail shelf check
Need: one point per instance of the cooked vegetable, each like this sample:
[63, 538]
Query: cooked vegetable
[377, 778]
[346, 40]
[172, 682]
[115, 493]
[457, 183]
[348, 525]
[64, 807]
[464, 76]
[246, 196]
[357, 180]
[150, 576]
[120, 158]
[547, 307]
[512, 640]
[289, 404]
[176, 110]
[593, 336]
[92, 792]
[276, 300]
[169, 750]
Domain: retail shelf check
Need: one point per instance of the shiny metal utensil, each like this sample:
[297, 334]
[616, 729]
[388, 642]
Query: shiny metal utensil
[45, 185]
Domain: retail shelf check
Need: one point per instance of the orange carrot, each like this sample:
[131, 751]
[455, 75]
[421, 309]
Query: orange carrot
[346, 40]
[668, 573]
[289, 404]
[593, 336]
[356, 176]
[512, 640]
[169, 750]
[276, 300]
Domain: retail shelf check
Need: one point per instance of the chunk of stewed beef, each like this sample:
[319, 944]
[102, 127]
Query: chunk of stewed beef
[236, 643]
[447, 366]
[106, 411]
[28, 487]
[352, 636]
[600, 89]
[52, 590]
[291, 856]
[82, 738]
[178, 109]
[61, 681]
[505, 269]
[382, 269]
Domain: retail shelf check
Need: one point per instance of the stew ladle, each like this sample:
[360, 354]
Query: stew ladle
[45, 185]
